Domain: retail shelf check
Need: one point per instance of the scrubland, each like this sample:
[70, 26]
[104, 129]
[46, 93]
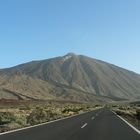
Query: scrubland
[18, 115]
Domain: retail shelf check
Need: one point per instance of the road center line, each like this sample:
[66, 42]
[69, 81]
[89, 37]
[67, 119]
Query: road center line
[84, 125]
[93, 118]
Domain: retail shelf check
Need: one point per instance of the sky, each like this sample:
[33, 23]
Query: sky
[108, 30]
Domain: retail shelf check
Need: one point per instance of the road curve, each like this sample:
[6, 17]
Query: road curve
[100, 124]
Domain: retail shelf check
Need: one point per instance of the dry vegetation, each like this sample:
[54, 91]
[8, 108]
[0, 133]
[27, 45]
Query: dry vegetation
[17, 115]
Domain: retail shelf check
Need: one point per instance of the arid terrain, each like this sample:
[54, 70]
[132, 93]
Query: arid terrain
[17, 114]
[70, 77]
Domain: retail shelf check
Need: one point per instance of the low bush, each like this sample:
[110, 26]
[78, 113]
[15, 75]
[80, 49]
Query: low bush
[39, 115]
[21, 121]
[6, 117]
[138, 114]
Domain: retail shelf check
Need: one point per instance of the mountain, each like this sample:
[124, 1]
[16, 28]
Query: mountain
[70, 77]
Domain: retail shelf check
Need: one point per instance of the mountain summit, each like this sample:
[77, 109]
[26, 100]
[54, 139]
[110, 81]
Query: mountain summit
[71, 77]
[71, 54]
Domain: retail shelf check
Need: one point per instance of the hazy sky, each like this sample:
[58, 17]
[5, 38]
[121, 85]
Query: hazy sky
[39, 29]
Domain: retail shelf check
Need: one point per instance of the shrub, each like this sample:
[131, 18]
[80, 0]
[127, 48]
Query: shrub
[119, 112]
[6, 117]
[138, 114]
[21, 121]
[72, 109]
[13, 125]
[39, 115]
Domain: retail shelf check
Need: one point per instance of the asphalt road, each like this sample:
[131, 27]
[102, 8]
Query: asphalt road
[101, 124]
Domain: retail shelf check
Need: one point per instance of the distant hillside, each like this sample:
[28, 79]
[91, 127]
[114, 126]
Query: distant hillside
[71, 77]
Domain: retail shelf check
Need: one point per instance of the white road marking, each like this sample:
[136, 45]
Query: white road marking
[96, 114]
[84, 125]
[129, 124]
[93, 118]
[114, 112]
[134, 128]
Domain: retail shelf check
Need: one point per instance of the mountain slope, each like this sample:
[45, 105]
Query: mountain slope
[24, 87]
[78, 77]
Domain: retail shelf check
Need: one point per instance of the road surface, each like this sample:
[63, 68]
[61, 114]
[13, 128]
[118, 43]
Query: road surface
[100, 124]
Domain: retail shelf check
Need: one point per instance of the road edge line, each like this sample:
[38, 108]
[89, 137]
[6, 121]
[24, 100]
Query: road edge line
[134, 128]
[130, 125]
[28, 127]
